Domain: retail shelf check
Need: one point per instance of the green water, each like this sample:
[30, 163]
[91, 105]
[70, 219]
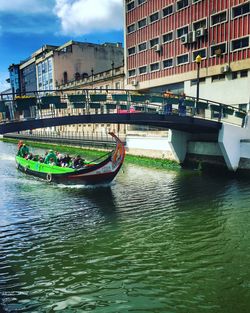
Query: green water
[152, 241]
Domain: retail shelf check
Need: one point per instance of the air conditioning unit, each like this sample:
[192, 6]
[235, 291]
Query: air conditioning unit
[192, 37]
[134, 82]
[200, 32]
[157, 48]
[184, 39]
[225, 69]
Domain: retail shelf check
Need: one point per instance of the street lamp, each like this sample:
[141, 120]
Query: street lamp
[198, 62]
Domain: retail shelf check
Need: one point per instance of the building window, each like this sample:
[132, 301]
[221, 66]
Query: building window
[196, 1]
[131, 51]
[168, 10]
[142, 70]
[240, 43]
[142, 46]
[219, 18]
[241, 10]
[154, 67]
[244, 73]
[201, 80]
[168, 37]
[168, 63]
[181, 4]
[154, 17]
[182, 59]
[218, 77]
[182, 31]
[117, 85]
[218, 50]
[200, 24]
[131, 73]
[154, 42]
[141, 2]
[201, 52]
[234, 75]
[131, 28]
[65, 77]
[142, 23]
[130, 6]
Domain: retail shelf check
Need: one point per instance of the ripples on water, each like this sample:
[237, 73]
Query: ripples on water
[152, 241]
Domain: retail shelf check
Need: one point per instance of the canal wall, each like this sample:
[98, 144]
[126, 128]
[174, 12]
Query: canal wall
[194, 152]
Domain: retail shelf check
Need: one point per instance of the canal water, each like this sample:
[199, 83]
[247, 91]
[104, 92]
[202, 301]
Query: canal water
[152, 241]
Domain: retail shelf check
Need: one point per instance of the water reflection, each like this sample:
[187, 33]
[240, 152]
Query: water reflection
[152, 241]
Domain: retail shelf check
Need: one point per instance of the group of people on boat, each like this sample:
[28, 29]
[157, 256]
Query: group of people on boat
[51, 157]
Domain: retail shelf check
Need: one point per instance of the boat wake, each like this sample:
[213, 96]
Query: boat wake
[85, 186]
[7, 157]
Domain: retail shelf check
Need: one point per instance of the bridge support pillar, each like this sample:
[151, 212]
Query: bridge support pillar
[178, 142]
[229, 140]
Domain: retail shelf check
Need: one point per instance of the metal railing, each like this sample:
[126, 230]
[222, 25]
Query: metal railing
[97, 139]
[55, 103]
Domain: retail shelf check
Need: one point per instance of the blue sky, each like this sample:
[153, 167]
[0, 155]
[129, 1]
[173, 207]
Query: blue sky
[26, 25]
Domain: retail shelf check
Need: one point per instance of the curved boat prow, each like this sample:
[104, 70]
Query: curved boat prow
[118, 154]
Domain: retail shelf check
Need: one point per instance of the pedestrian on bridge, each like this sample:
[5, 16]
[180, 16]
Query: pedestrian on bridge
[167, 102]
[181, 106]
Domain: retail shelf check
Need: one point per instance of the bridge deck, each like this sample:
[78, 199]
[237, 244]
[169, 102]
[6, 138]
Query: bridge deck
[183, 123]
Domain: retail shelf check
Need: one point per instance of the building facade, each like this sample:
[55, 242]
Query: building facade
[14, 75]
[102, 82]
[164, 37]
[74, 61]
[28, 71]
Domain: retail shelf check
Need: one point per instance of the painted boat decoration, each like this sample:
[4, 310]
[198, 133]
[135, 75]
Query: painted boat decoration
[90, 174]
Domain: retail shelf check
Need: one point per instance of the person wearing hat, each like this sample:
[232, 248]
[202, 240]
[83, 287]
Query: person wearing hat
[19, 146]
[49, 156]
[24, 151]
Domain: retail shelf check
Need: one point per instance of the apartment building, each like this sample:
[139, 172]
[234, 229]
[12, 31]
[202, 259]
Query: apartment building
[164, 37]
[27, 69]
[74, 61]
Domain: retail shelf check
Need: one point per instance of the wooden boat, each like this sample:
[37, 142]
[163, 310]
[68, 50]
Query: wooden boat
[90, 174]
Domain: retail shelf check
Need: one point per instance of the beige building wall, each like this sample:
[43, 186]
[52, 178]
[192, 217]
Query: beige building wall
[84, 59]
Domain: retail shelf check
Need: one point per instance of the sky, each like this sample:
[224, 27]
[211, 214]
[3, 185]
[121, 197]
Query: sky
[27, 25]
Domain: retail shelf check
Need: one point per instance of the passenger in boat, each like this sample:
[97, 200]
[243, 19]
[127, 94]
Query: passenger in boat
[40, 159]
[19, 146]
[30, 156]
[50, 155]
[59, 157]
[66, 160]
[52, 161]
[24, 151]
[182, 107]
[78, 162]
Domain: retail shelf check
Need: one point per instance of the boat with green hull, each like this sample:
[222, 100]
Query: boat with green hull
[91, 173]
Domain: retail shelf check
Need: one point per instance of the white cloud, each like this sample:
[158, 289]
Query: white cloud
[80, 17]
[3, 84]
[26, 6]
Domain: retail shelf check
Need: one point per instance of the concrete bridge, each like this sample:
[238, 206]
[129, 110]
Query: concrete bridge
[198, 127]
